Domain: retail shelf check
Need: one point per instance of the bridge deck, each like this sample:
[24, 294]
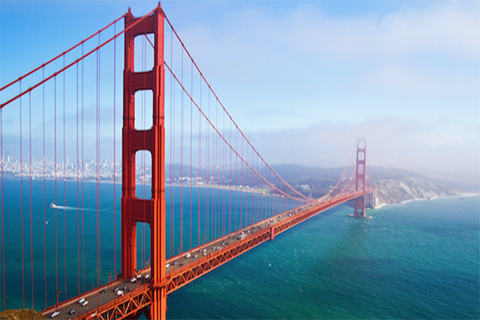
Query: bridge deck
[104, 303]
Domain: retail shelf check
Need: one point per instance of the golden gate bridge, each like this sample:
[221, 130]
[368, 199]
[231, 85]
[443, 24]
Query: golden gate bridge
[195, 193]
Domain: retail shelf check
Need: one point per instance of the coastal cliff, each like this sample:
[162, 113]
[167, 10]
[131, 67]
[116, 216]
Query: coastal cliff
[390, 191]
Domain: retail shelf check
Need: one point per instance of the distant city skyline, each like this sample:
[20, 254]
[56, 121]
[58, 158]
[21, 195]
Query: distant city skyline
[304, 80]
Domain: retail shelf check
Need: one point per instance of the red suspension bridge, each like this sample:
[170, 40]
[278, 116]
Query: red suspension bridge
[195, 193]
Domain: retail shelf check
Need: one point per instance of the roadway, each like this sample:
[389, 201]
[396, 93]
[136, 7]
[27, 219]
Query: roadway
[107, 294]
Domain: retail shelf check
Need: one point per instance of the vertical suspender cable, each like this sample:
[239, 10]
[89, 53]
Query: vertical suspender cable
[241, 189]
[215, 175]
[247, 183]
[99, 260]
[231, 178]
[114, 150]
[181, 165]
[262, 198]
[172, 150]
[214, 182]
[64, 187]
[199, 170]
[173, 169]
[99, 160]
[191, 156]
[78, 201]
[96, 161]
[44, 200]
[207, 178]
[21, 199]
[207, 181]
[236, 177]
[83, 179]
[55, 178]
[3, 220]
[224, 219]
[31, 210]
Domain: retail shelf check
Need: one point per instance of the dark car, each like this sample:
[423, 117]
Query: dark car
[72, 311]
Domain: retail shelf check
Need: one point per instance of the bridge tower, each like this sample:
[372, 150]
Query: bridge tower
[360, 179]
[134, 210]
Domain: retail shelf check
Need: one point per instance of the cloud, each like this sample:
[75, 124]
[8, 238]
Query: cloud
[305, 84]
[391, 142]
[251, 34]
[446, 27]
[262, 63]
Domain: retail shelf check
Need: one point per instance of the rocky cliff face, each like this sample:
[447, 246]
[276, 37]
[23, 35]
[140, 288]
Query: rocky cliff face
[393, 191]
[20, 314]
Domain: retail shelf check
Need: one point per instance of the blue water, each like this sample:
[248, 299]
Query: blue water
[71, 251]
[416, 261]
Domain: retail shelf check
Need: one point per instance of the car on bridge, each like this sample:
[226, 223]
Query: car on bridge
[54, 314]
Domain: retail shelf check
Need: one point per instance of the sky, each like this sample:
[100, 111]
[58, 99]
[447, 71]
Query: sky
[305, 79]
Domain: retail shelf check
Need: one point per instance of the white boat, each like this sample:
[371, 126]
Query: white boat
[53, 205]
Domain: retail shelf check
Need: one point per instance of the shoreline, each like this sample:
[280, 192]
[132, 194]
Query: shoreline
[465, 195]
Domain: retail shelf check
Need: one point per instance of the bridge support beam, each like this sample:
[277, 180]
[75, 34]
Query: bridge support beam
[360, 180]
[272, 233]
[134, 210]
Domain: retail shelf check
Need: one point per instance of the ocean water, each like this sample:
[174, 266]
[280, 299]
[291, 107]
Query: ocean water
[416, 261]
[65, 239]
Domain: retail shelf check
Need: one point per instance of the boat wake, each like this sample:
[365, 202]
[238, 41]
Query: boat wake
[54, 206]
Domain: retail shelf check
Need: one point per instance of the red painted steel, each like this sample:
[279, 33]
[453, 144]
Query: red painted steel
[134, 210]
[360, 178]
[133, 303]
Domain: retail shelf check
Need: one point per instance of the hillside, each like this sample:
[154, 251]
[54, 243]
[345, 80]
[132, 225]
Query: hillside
[393, 185]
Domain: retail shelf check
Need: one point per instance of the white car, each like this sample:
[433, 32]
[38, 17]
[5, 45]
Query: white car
[56, 313]
[133, 280]
[119, 292]
[84, 303]
[81, 300]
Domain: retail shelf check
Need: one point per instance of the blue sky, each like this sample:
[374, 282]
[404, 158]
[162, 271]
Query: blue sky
[304, 80]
